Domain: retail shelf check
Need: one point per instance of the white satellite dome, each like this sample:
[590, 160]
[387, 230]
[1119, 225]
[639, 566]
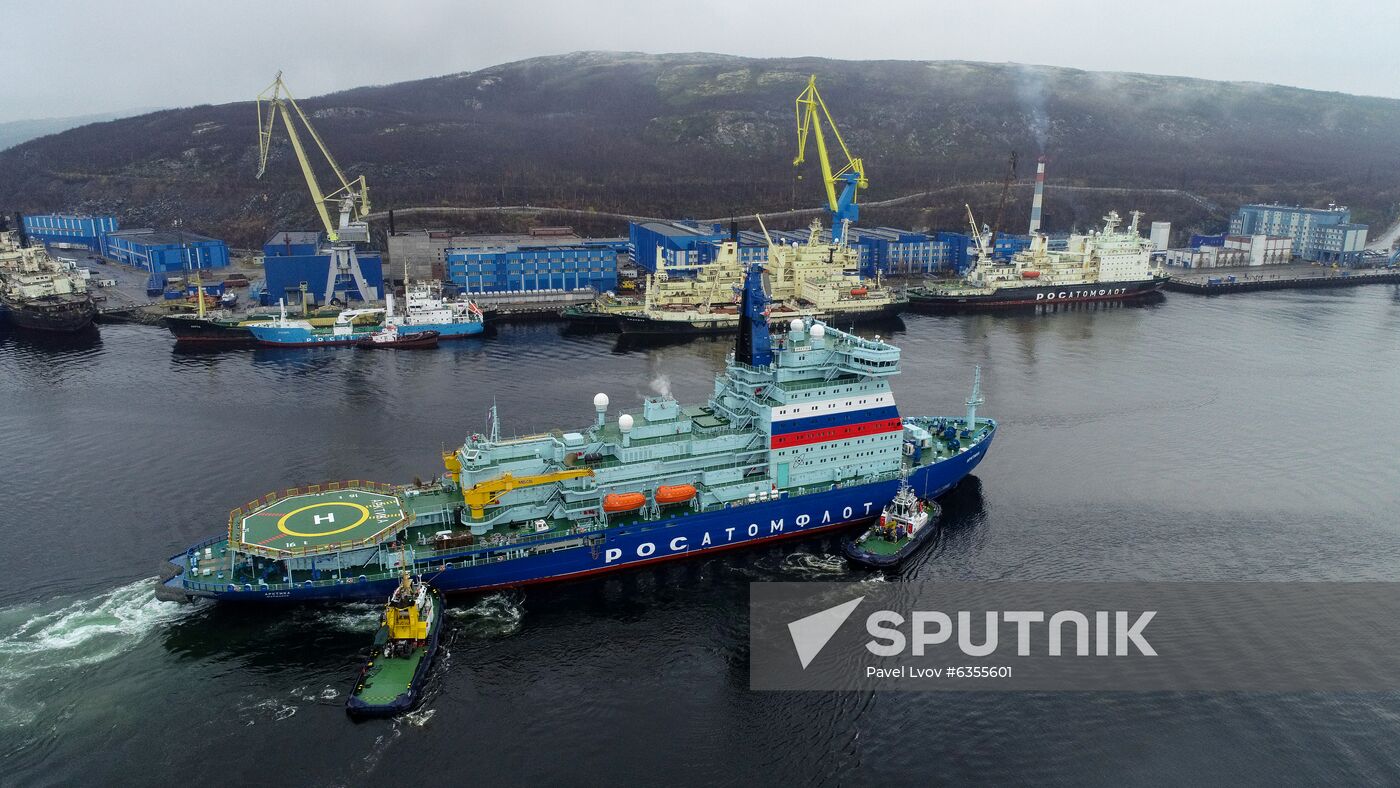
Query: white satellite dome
[818, 331]
[624, 422]
[795, 325]
[600, 401]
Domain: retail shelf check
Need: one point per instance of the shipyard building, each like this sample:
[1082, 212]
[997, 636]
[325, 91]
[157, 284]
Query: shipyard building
[160, 251]
[681, 245]
[508, 263]
[66, 231]
[291, 243]
[1324, 235]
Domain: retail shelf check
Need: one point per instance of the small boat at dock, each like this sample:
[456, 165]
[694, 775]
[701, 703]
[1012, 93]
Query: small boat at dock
[390, 338]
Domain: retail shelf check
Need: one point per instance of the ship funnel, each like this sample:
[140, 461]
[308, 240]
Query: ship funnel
[19, 229]
[1038, 200]
[600, 404]
[624, 423]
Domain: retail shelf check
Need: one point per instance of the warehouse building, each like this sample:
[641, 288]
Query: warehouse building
[681, 244]
[64, 231]
[513, 263]
[287, 274]
[292, 243]
[160, 251]
[424, 252]
[1325, 235]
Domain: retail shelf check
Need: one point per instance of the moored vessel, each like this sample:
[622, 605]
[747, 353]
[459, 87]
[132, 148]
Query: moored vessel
[405, 646]
[389, 338]
[818, 278]
[801, 435]
[38, 292]
[1106, 265]
[425, 309]
[292, 332]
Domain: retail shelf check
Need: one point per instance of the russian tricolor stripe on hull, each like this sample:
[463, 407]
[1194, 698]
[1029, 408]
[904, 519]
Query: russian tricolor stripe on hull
[877, 427]
[839, 419]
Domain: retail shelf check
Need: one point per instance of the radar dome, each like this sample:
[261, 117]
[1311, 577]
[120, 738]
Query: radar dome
[624, 422]
[818, 331]
[600, 401]
[795, 325]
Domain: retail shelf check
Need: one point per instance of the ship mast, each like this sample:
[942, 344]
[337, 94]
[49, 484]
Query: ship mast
[974, 400]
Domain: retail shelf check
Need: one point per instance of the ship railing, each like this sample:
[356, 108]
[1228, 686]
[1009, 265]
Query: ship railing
[236, 515]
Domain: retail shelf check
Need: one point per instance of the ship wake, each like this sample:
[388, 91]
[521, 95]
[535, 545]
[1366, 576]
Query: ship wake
[44, 640]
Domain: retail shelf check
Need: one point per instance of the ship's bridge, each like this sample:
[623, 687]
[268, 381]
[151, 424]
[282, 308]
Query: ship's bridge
[811, 349]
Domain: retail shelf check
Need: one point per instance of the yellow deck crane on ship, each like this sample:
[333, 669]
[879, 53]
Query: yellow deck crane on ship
[351, 198]
[844, 208]
[483, 494]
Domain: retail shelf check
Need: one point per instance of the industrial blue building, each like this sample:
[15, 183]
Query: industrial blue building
[287, 274]
[534, 266]
[682, 244]
[1325, 235]
[160, 251]
[292, 243]
[86, 231]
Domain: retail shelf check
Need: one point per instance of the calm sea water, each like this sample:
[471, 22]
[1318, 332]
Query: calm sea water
[1248, 438]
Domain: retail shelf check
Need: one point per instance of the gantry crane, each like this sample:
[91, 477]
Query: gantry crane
[844, 208]
[351, 197]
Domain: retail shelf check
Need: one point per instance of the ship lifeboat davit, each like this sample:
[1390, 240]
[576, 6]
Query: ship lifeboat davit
[674, 493]
[859, 291]
[1030, 274]
[623, 502]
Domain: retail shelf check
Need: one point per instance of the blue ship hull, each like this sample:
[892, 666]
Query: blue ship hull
[293, 336]
[649, 542]
[447, 330]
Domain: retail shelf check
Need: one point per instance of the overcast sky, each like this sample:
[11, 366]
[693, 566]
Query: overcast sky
[66, 57]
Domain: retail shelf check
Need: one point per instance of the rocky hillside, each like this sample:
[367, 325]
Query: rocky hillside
[711, 135]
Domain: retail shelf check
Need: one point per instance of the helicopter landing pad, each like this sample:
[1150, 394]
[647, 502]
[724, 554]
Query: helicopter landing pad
[323, 519]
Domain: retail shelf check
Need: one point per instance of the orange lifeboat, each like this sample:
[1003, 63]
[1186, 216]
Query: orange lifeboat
[674, 493]
[859, 291]
[623, 502]
[1030, 274]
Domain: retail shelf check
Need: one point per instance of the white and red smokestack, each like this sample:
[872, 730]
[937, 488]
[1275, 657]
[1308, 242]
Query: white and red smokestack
[1039, 199]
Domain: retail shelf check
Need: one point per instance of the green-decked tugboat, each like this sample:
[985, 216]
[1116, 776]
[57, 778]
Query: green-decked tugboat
[905, 525]
[392, 681]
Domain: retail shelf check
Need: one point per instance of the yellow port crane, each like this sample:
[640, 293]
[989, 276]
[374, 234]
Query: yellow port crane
[352, 196]
[811, 109]
[483, 494]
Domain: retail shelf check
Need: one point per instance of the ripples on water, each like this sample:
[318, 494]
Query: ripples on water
[1195, 439]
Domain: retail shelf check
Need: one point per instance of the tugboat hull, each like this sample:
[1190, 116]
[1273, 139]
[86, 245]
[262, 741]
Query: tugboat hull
[361, 709]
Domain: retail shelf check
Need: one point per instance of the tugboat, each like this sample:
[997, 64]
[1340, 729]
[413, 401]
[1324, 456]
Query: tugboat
[390, 338]
[392, 681]
[905, 525]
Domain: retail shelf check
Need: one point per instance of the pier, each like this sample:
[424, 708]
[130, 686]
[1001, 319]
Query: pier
[1220, 281]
